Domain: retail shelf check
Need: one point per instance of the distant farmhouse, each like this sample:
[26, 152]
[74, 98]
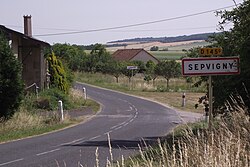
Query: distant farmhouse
[29, 51]
[134, 55]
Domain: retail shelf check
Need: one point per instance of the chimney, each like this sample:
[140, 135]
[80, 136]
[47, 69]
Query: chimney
[27, 26]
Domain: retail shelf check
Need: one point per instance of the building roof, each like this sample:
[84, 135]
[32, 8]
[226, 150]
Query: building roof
[128, 54]
[10, 31]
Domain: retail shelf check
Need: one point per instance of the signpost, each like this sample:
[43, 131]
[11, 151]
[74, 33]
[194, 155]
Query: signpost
[209, 67]
[132, 68]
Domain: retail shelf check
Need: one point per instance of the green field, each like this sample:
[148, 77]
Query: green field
[168, 55]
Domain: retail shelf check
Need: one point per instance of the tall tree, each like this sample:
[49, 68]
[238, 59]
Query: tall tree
[235, 42]
[114, 68]
[71, 55]
[11, 84]
[97, 60]
[168, 69]
[150, 71]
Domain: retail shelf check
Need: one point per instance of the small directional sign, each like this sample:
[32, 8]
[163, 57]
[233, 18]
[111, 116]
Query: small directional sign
[132, 67]
[210, 51]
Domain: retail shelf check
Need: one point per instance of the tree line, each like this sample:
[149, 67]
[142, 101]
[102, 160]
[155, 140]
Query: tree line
[99, 60]
[203, 36]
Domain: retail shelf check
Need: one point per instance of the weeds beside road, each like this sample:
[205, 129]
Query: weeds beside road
[32, 120]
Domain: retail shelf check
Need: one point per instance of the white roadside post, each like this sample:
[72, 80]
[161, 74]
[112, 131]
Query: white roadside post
[84, 93]
[60, 107]
[36, 90]
[183, 104]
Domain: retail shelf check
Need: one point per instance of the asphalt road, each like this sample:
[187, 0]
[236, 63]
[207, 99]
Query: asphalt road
[129, 121]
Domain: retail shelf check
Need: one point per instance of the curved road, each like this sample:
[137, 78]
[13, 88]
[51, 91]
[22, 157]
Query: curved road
[128, 120]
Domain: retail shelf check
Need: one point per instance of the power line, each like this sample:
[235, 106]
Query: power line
[134, 25]
[152, 30]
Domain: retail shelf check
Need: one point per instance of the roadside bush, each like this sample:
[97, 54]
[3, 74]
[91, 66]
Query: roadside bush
[11, 84]
[43, 103]
[162, 88]
[53, 95]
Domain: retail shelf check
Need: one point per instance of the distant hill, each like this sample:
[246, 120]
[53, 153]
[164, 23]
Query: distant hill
[203, 36]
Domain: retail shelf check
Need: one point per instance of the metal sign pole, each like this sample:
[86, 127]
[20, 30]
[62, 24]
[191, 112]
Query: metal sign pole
[132, 80]
[210, 97]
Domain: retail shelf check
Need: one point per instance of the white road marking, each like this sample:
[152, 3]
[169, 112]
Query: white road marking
[48, 152]
[95, 137]
[118, 128]
[108, 132]
[113, 127]
[126, 124]
[130, 108]
[74, 141]
[6, 163]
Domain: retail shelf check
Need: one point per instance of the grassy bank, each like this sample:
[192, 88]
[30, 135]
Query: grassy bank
[38, 115]
[227, 145]
[192, 145]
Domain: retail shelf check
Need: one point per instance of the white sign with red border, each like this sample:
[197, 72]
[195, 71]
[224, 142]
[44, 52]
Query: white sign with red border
[210, 66]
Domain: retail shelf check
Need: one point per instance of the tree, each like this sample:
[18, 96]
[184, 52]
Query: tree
[154, 48]
[150, 71]
[58, 76]
[97, 60]
[71, 55]
[114, 68]
[168, 69]
[235, 42]
[11, 84]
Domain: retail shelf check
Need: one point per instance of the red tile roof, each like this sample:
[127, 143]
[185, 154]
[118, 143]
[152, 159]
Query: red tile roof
[128, 54]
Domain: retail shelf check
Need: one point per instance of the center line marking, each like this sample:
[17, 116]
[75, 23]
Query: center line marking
[48, 152]
[95, 137]
[6, 163]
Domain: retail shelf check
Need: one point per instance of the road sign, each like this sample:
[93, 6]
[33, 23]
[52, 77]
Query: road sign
[210, 66]
[132, 67]
[210, 51]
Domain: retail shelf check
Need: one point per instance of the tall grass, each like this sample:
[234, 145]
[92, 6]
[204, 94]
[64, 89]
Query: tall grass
[227, 145]
[40, 115]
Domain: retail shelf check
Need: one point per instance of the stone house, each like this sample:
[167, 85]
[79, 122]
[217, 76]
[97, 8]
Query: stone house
[30, 52]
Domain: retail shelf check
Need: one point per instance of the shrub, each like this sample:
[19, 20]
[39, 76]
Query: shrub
[11, 84]
[53, 95]
[58, 75]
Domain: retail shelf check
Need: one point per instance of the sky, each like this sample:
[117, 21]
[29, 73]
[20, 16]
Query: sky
[101, 21]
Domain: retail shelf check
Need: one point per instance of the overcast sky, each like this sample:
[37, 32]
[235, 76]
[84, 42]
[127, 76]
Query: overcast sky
[60, 16]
